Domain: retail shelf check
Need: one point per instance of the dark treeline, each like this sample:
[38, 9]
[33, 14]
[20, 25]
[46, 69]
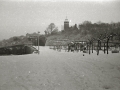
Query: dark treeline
[14, 41]
[99, 28]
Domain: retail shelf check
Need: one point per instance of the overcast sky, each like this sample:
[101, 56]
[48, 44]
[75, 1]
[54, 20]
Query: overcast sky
[18, 17]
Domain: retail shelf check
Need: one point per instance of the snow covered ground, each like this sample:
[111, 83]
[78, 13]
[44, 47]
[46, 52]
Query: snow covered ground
[53, 70]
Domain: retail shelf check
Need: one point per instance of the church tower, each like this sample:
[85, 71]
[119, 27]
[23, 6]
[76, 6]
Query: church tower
[66, 24]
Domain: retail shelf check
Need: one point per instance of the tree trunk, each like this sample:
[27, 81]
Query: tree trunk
[89, 47]
[100, 45]
[104, 47]
[98, 48]
[107, 45]
[92, 46]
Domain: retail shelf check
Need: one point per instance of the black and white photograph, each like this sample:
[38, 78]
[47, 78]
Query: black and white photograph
[59, 44]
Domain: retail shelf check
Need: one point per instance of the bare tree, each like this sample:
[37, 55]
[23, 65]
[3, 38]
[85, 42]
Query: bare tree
[51, 28]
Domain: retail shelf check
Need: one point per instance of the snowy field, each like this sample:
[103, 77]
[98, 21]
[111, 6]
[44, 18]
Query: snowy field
[53, 70]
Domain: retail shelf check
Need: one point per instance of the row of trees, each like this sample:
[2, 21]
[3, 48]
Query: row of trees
[100, 27]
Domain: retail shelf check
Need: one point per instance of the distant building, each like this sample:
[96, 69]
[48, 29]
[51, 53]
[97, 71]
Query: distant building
[33, 35]
[66, 24]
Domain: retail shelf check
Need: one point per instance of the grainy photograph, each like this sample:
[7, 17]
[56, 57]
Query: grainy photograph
[59, 45]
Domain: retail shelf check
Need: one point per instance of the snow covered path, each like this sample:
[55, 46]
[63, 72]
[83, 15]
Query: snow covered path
[53, 70]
